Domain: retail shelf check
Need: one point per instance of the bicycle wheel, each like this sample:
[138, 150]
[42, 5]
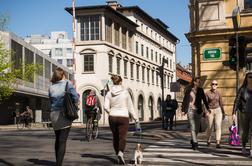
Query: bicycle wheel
[89, 129]
[20, 124]
[95, 129]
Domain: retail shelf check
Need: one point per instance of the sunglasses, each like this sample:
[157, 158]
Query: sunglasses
[214, 84]
[249, 76]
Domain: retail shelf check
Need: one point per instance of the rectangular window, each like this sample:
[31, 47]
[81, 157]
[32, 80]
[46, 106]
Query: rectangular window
[157, 75]
[136, 47]
[142, 49]
[16, 57]
[143, 74]
[69, 50]
[117, 34]
[125, 68]
[148, 75]
[130, 41]
[110, 64]
[69, 62]
[118, 64]
[108, 30]
[153, 72]
[60, 61]
[170, 64]
[88, 62]
[124, 43]
[58, 52]
[247, 4]
[152, 54]
[132, 70]
[168, 82]
[29, 59]
[147, 52]
[160, 59]
[156, 56]
[90, 28]
[137, 70]
[164, 81]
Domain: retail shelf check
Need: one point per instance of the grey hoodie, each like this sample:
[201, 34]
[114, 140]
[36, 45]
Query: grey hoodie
[118, 103]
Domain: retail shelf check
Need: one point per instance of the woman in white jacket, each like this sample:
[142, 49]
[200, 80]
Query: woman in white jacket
[118, 105]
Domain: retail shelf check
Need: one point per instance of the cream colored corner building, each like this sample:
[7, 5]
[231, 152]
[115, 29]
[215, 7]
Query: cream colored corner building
[112, 39]
[211, 26]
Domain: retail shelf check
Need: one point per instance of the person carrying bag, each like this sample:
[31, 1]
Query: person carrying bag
[58, 91]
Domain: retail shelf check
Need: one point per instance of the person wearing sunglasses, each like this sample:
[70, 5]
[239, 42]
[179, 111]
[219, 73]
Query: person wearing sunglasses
[216, 113]
[192, 106]
[243, 104]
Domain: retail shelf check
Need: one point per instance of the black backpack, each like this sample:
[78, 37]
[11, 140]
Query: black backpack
[70, 110]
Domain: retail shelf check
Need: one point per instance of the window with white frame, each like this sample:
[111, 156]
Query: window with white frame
[116, 34]
[164, 81]
[69, 62]
[168, 81]
[136, 47]
[110, 63]
[142, 49]
[157, 75]
[69, 50]
[58, 52]
[90, 27]
[118, 65]
[147, 52]
[130, 41]
[170, 64]
[124, 43]
[156, 56]
[132, 70]
[137, 71]
[88, 62]
[60, 61]
[108, 30]
[152, 54]
[152, 76]
[148, 75]
[143, 74]
[125, 64]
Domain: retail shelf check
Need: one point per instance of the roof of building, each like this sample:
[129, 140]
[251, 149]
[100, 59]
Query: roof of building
[156, 22]
[104, 7]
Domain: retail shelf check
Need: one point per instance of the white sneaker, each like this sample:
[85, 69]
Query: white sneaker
[244, 151]
[120, 157]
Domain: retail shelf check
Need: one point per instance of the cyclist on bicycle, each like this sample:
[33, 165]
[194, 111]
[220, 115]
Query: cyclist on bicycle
[91, 106]
[27, 116]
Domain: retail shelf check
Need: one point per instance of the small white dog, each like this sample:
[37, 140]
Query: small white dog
[138, 155]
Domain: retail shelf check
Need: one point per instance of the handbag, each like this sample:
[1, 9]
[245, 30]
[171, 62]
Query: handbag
[69, 109]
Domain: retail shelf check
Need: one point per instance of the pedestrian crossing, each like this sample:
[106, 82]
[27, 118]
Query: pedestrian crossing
[178, 152]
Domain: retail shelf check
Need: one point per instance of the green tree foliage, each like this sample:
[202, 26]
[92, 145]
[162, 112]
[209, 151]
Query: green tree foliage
[9, 75]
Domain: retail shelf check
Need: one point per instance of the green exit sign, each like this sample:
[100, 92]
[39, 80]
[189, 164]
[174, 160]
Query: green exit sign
[212, 54]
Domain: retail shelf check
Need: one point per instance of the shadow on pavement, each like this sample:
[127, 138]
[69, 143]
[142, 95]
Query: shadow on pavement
[42, 162]
[97, 156]
[6, 163]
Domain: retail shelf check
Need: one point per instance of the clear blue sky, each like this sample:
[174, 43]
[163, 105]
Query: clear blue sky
[43, 16]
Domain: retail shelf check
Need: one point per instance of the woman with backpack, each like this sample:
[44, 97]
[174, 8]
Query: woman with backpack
[118, 105]
[243, 104]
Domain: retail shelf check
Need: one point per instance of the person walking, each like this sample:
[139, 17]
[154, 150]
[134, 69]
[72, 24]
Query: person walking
[118, 105]
[216, 113]
[243, 104]
[170, 110]
[61, 125]
[192, 106]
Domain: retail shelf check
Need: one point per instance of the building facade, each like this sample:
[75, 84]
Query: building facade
[112, 39]
[57, 46]
[33, 92]
[211, 27]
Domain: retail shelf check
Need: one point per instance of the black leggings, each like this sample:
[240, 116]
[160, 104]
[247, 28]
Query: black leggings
[60, 144]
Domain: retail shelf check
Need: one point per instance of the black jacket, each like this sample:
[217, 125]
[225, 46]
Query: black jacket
[240, 100]
[200, 95]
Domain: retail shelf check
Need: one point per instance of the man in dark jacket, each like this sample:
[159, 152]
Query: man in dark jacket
[191, 104]
[170, 110]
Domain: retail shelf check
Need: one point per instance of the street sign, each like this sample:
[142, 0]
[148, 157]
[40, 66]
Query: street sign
[236, 18]
[212, 54]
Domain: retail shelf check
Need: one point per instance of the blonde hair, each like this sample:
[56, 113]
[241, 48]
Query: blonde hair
[116, 79]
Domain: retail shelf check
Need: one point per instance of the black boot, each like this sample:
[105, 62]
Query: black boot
[195, 146]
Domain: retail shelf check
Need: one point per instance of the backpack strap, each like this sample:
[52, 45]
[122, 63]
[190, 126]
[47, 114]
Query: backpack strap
[66, 87]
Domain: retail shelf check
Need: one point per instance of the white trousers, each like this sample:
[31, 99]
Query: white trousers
[215, 115]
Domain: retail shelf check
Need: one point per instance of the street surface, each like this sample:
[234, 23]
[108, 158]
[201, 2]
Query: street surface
[36, 147]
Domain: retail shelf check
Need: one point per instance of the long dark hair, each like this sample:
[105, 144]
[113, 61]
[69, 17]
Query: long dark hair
[245, 81]
[58, 75]
[194, 79]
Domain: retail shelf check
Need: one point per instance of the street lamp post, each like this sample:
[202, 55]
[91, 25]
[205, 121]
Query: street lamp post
[161, 74]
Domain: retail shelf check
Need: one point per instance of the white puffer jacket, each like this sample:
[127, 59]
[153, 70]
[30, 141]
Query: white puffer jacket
[118, 103]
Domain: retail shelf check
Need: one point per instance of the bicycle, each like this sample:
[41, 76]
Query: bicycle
[91, 128]
[21, 123]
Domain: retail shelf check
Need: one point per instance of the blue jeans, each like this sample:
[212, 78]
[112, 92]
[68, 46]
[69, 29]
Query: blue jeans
[194, 120]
